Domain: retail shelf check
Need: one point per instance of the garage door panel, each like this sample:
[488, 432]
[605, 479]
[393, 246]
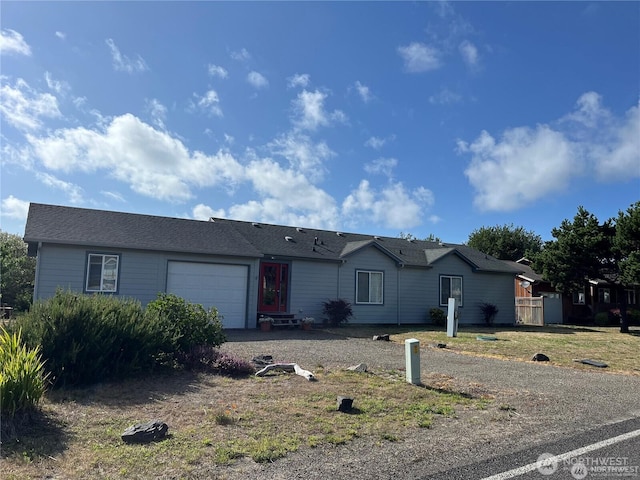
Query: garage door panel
[212, 285]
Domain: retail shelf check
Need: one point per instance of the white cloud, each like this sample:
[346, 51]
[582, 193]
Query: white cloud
[364, 92]
[61, 35]
[298, 80]
[122, 63]
[217, 71]
[377, 143]
[13, 207]
[24, 108]
[469, 54]
[203, 212]
[310, 111]
[528, 164]
[59, 86]
[13, 42]
[445, 97]
[209, 103]
[257, 80]
[150, 161]
[393, 206]
[523, 166]
[303, 155]
[240, 55]
[73, 191]
[382, 166]
[287, 198]
[419, 57]
[157, 111]
[619, 158]
[589, 112]
[113, 195]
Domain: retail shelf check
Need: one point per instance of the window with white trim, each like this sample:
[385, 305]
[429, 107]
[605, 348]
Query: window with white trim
[102, 273]
[369, 287]
[450, 287]
[579, 298]
[604, 295]
[631, 297]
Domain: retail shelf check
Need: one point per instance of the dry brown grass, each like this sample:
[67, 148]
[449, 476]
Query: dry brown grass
[214, 420]
[561, 343]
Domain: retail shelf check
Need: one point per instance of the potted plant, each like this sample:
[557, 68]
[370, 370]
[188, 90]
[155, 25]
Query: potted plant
[307, 322]
[265, 323]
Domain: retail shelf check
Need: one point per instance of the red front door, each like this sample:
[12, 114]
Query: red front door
[273, 289]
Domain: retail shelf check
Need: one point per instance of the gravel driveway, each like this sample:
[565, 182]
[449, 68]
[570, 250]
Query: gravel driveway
[539, 402]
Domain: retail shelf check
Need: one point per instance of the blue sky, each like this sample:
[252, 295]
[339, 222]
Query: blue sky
[371, 117]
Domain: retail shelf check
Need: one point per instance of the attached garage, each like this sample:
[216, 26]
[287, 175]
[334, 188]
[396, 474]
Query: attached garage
[212, 285]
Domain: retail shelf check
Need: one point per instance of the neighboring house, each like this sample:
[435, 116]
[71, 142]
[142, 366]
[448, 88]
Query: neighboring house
[600, 295]
[578, 307]
[247, 269]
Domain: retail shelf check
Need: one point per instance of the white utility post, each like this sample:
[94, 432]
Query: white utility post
[412, 358]
[452, 318]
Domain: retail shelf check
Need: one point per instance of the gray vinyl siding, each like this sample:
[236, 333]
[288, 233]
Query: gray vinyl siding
[60, 267]
[142, 274]
[311, 284]
[418, 293]
[477, 287]
[371, 259]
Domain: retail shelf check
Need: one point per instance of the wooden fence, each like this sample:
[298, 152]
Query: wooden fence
[529, 311]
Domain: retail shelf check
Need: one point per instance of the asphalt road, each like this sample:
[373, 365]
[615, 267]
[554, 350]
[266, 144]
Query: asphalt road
[610, 451]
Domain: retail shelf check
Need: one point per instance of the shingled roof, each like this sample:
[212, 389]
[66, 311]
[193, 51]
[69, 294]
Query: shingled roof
[99, 228]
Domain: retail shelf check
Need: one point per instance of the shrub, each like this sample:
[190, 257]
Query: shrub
[337, 311]
[602, 319]
[90, 338]
[489, 312]
[438, 317]
[232, 366]
[186, 324]
[22, 378]
[209, 359]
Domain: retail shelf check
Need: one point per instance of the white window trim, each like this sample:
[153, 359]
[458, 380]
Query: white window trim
[631, 296]
[105, 257]
[369, 272]
[602, 293]
[578, 295]
[461, 299]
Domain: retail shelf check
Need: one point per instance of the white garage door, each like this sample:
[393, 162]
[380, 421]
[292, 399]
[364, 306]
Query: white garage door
[212, 285]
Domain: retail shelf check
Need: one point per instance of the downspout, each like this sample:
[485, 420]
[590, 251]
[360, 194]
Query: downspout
[37, 275]
[398, 292]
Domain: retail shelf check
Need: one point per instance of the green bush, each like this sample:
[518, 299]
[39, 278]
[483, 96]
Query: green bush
[602, 319]
[185, 324]
[22, 378]
[438, 317]
[90, 338]
[489, 312]
[337, 311]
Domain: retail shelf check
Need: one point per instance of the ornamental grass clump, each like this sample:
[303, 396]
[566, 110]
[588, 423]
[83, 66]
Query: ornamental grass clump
[22, 377]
